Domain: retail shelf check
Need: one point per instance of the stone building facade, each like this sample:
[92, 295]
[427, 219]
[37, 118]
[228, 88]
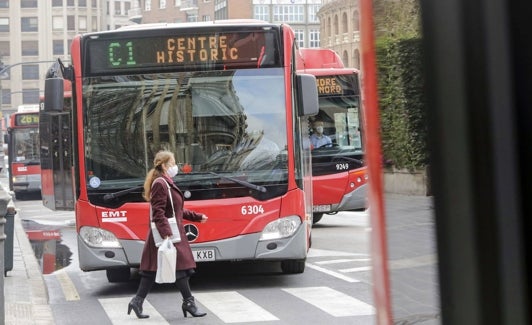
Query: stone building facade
[340, 29]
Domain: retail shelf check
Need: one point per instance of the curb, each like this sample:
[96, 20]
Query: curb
[26, 294]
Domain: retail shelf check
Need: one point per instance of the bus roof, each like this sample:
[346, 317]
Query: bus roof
[225, 22]
[321, 61]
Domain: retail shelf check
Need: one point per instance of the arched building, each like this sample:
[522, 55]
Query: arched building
[340, 29]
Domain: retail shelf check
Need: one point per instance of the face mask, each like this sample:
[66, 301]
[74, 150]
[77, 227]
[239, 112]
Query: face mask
[319, 129]
[172, 171]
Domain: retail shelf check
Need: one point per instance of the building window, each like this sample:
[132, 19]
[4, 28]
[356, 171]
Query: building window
[4, 49]
[57, 3]
[312, 11]
[70, 3]
[30, 48]
[30, 96]
[57, 23]
[82, 23]
[356, 22]
[177, 3]
[94, 23]
[261, 13]
[344, 23]
[289, 13]
[58, 47]
[300, 37]
[29, 24]
[69, 45]
[82, 3]
[314, 38]
[71, 23]
[4, 24]
[191, 18]
[28, 3]
[4, 3]
[345, 58]
[118, 9]
[30, 72]
[356, 59]
[336, 30]
[6, 96]
[206, 18]
[162, 4]
[94, 4]
[147, 5]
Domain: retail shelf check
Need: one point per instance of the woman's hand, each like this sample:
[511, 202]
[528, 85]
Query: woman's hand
[204, 218]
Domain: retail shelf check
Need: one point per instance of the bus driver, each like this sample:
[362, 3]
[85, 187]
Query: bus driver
[318, 139]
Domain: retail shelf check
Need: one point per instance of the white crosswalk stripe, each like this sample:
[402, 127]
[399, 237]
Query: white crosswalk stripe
[333, 302]
[115, 308]
[232, 307]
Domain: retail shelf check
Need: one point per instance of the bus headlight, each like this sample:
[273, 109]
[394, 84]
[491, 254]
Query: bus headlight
[281, 228]
[20, 178]
[97, 237]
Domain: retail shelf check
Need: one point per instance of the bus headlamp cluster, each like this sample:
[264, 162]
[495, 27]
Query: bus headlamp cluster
[20, 178]
[100, 238]
[281, 228]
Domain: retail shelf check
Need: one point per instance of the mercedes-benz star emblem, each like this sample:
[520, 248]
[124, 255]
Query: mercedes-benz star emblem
[191, 232]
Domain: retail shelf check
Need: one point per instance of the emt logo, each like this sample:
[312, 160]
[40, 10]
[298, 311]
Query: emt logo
[114, 216]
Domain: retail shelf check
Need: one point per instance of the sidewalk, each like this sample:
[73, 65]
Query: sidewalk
[25, 295]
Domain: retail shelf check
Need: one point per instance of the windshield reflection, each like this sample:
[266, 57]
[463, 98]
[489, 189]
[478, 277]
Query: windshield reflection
[46, 242]
[226, 122]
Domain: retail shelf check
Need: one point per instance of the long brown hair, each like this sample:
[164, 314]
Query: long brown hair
[161, 158]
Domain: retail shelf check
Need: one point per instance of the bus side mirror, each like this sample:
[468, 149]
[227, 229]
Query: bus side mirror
[307, 94]
[53, 95]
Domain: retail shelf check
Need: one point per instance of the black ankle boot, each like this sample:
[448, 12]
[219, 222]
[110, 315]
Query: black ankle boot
[190, 306]
[136, 305]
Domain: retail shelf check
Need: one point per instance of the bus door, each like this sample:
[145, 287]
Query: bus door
[56, 165]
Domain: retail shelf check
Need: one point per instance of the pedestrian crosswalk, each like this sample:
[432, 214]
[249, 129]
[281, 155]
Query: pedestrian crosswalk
[231, 307]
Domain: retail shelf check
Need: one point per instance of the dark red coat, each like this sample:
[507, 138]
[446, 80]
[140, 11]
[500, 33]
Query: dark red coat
[161, 210]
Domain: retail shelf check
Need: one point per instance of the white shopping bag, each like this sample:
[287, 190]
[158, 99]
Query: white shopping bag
[166, 260]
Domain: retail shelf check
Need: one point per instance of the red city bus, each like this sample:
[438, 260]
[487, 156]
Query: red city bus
[23, 151]
[226, 99]
[56, 152]
[339, 175]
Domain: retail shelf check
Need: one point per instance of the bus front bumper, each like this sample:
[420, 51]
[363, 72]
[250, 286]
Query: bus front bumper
[240, 248]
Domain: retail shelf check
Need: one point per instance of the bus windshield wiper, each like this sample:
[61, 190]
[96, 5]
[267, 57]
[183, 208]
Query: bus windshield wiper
[241, 182]
[110, 196]
[358, 161]
[32, 162]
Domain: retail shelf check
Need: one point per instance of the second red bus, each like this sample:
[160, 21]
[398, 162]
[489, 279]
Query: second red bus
[339, 176]
[23, 151]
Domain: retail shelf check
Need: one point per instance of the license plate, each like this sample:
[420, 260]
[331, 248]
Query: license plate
[202, 255]
[321, 208]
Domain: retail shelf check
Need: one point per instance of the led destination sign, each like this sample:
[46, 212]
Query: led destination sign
[336, 85]
[247, 49]
[27, 119]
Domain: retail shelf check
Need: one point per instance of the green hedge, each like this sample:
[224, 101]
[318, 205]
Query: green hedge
[402, 103]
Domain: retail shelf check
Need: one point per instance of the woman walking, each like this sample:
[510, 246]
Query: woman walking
[158, 186]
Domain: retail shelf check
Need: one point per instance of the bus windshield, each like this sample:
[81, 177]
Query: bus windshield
[220, 125]
[26, 145]
[342, 122]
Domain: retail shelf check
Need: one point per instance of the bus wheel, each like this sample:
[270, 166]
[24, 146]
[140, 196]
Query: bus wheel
[316, 217]
[120, 274]
[293, 266]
